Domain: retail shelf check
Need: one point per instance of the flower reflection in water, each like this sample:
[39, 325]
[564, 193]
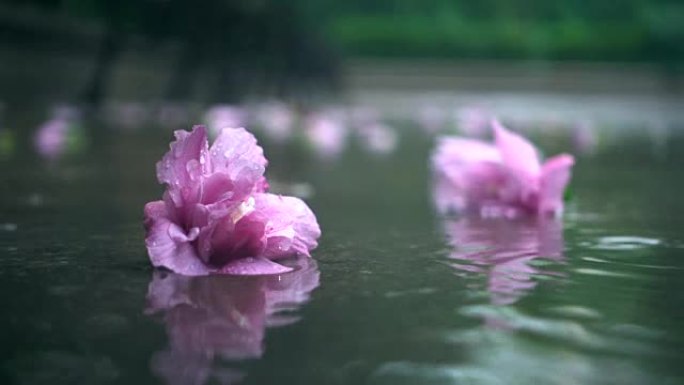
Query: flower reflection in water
[503, 249]
[221, 317]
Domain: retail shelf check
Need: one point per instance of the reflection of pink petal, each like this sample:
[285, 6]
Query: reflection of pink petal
[221, 316]
[506, 248]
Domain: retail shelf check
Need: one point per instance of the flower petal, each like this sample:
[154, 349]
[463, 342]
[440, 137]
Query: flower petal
[185, 161]
[469, 175]
[452, 151]
[236, 153]
[228, 239]
[555, 176]
[168, 245]
[254, 266]
[517, 153]
[291, 226]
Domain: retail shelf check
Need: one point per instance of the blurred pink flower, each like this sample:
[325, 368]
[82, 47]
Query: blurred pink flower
[327, 134]
[276, 120]
[216, 217]
[378, 138]
[51, 138]
[501, 179]
[223, 116]
[222, 317]
[473, 121]
[431, 119]
[584, 137]
[503, 249]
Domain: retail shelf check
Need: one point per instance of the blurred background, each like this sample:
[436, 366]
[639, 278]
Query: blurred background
[94, 51]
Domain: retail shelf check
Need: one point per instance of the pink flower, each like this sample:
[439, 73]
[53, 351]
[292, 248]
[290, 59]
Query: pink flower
[327, 134]
[222, 318]
[277, 121]
[378, 138]
[503, 250]
[216, 217]
[501, 179]
[584, 137]
[51, 138]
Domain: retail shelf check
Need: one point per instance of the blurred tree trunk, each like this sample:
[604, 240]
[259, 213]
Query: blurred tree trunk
[184, 72]
[108, 51]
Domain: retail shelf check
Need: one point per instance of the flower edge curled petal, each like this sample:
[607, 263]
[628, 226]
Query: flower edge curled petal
[173, 169]
[167, 244]
[291, 229]
[555, 176]
[254, 266]
[517, 153]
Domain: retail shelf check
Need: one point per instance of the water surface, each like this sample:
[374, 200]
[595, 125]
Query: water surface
[397, 296]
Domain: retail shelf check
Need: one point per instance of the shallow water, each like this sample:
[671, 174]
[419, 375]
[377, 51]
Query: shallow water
[398, 295]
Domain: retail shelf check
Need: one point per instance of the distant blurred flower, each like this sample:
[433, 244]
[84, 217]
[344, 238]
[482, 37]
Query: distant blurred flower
[327, 134]
[222, 317]
[378, 138]
[59, 134]
[473, 121]
[505, 179]
[50, 140]
[431, 119]
[216, 217]
[276, 120]
[223, 116]
[503, 249]
[584, 138]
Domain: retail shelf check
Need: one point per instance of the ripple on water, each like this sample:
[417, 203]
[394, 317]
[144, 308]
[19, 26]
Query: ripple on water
[624, 243]
[567, 331]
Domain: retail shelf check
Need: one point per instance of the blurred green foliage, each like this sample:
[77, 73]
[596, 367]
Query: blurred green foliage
[633, 30]
[636, 30]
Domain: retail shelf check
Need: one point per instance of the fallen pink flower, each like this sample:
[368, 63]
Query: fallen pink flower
[378, 138]
[51, 138]
[216, 217]
[276, 120]
[584, 138]
[327, 134]
[215, 318]
[505, 179]
[503, 250]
